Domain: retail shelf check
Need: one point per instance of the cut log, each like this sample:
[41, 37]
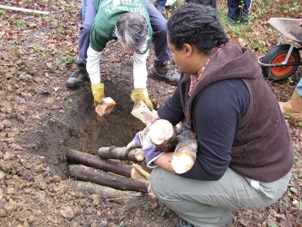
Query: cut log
[85, 173]
[122, 153]
[162, 134]
[109, 193]
[105, 107]
[78, 157]
[184, 144]
[184, 155]
[137, 174]
[142, 112]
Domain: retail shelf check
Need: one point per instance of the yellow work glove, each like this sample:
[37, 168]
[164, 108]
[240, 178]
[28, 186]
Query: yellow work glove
[141, 94]
[97, 92]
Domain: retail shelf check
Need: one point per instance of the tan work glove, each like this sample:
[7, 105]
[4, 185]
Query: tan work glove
[97, 93]
[141, 94]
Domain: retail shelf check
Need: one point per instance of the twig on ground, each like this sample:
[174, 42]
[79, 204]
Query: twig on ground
[24, 10]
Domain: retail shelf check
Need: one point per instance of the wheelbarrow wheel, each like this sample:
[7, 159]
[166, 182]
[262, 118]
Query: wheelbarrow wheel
[276, 56]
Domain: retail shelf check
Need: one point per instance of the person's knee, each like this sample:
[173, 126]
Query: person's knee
[160, 35]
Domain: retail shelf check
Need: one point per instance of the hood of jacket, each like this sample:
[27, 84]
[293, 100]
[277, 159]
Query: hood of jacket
[230, 62]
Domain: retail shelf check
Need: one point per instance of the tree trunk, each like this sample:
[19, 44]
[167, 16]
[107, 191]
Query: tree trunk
[122, 153]
[85, 173]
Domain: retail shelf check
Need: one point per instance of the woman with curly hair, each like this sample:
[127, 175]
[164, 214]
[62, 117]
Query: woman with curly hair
[244, 151]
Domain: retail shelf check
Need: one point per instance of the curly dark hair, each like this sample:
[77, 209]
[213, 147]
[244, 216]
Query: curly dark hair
[196, 24]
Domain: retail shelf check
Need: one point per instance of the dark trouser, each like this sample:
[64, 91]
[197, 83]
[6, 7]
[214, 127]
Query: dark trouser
[161, 3]
[88, 15]
[159, 26]
[158, 23]
[238, 9]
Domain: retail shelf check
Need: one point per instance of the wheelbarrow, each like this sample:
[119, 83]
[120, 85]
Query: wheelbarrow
[283, 60]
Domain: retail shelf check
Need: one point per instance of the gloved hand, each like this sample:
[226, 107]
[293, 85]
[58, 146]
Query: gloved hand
[150, 151]
[136, 142]
[141, 94]
[97, 93]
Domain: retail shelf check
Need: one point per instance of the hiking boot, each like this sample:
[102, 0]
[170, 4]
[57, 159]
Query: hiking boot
[78, 76]
[183, 223]
[244, 21]
[233, 21]
[292, 107]
[162, 72]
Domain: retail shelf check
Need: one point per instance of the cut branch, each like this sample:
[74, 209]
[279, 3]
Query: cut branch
[23, 10]
[77, 157]
[141, 171]
[143, 113]
[168, 138]
[122, 153]
[162, 134]
[85, 173]
[105, 107]
[184, 155]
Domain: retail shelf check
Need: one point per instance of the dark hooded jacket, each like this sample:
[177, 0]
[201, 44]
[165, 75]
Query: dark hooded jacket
[261, 146]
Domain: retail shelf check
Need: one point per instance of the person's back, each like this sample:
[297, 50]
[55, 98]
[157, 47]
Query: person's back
[133, 31]
[107, 17]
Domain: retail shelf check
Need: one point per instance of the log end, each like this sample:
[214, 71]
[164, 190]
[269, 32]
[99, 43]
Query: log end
[141, 171]
[182, 162]
[160, 130]
[105, 107]
[143, 113]
[139, 154]
[135, 174]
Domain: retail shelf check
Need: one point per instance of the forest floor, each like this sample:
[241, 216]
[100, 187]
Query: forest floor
[40, 118]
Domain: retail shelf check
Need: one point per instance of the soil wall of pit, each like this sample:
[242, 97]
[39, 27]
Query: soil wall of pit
[79, 127]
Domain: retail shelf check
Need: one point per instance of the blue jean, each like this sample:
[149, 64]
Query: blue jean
[83, 9]
[160, 30]
[239, 8]
[158, 23]
[88, 15]
[161, 3]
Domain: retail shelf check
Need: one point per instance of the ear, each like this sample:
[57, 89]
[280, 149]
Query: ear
[187, 49]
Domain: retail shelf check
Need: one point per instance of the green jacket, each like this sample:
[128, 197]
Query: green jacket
[108, 12]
